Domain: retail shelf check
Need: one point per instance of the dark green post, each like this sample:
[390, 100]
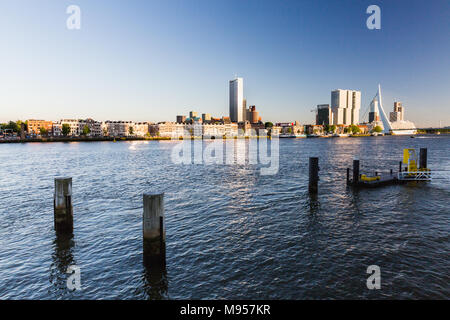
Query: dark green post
[355, 171]
[313, 174]
[423, 158]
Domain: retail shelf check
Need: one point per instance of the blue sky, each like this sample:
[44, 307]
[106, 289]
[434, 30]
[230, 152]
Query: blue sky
[151, 60]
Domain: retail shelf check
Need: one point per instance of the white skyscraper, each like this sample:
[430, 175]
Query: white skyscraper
[345, 105]
[237, 108]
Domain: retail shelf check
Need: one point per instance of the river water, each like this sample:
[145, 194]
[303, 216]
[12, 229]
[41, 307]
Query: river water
[232, 233]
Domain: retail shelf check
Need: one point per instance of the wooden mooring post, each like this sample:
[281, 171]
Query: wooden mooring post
[62, 205]
[348, 176]
[313, 174]
[423, 158]
[154, 235]
[355, 171]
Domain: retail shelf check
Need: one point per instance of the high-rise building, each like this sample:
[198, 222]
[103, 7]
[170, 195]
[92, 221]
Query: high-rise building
[252, 115]
[397, 115]
[324, 115]
[345, 105]
[237, 100]
[193, 114]
[181, 119]
[206, 117]
[374, 113]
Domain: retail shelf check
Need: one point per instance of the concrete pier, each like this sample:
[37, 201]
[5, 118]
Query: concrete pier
[313, 174]
[62, 205]
[154, 234]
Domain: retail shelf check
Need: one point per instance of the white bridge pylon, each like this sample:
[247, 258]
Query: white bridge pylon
[386, 124]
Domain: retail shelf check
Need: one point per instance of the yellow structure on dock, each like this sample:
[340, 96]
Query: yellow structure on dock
[413, 172]
[410, 159]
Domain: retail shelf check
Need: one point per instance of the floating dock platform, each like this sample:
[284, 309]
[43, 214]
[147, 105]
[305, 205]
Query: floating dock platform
[383, 180]
[412, 172]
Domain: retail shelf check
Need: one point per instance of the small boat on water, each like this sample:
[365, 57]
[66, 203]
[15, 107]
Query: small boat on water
[341, 135]
[292, 135]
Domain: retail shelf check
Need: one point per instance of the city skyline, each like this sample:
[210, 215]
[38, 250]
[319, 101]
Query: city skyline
[132, 62]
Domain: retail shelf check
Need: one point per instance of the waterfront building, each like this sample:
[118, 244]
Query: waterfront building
[275, 130]
[317, 129]
[56, 129]
[181, 119]
[397, 114]
[193, 114]
[258, 127]
[398, 124]
[231, 129]
[252, 115]
[216, 120]
[237, 109]
[141, 129]
[177, 130]
[213, 130]
[193, 120]
[219, 130]
[168, 129]
[226, 120]
[293, 128]
[34, 126]
[74, 126]
[324, 115]
[374, 113]
[195, 129]
[95, 127]
[105, 132]
[345, 106]
[363, 128]
[245, 127]
[119, 128]
[206, 117]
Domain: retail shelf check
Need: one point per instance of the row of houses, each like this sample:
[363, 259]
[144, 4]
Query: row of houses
[228, 129]
[88, 127]
[92, 128]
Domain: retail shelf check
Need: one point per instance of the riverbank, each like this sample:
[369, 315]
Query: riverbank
[113, 139]
[82, 139]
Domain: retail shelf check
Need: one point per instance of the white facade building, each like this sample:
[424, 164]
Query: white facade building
[237, 108]
[176, 130]
[141, 129]
[345, 105]
[56, 129]
[168, 129]
[95, 127]
[118, 128]
[74, 126]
